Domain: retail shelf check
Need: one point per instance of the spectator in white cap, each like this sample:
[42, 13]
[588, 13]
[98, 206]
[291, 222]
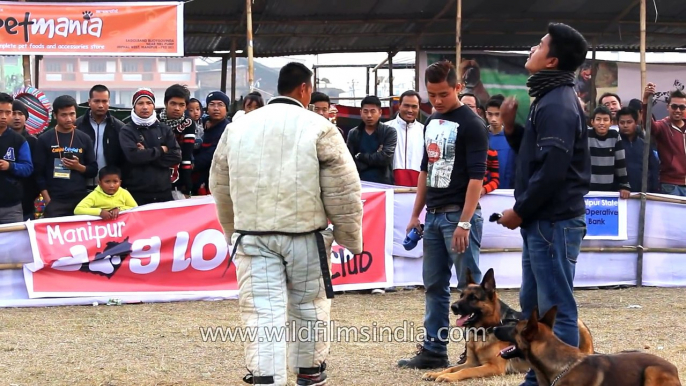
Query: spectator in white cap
[150, 149]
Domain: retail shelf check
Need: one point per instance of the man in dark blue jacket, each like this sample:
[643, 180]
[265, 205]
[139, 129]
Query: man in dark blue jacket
[15, 165]
[217, 110]
[553, 176]
[634, 144]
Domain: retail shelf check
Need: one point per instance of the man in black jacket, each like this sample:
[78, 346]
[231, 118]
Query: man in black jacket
[103, 129]
[64, 161]
[372, 144]
[19, 116]
[150, 149]
[553, 176]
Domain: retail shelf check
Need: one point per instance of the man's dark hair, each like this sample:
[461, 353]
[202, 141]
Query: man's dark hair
[495, 101]
[442, 71]
[292, 76]
[63, 102]
[568, 46]
[675, 94]
[6, 98]
[371, 100]
[108, 171]
[253, 98]
[177, 91]
[607, 95]
[98, 88]
[601, 110]
[628, 111]
[320, 97]
[410, 93]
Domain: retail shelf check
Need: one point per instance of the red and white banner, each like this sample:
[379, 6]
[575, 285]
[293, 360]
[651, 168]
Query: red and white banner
[177, 248]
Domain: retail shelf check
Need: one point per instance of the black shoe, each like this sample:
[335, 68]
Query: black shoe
[312, 380]
[425, 359]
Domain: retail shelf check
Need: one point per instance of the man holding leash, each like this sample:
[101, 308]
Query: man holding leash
[277, 175]
[553, 176]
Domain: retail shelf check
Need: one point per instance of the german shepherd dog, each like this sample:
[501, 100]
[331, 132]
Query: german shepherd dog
[559, 364]
[479, 309]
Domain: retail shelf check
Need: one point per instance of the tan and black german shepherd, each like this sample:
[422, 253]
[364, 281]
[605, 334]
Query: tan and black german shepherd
[480, 310]
[559, 364]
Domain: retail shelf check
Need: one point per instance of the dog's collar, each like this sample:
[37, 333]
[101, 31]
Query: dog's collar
[562, 374]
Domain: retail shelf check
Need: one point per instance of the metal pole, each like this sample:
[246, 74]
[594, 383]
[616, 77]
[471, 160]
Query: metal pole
[594, 72]
[390, 74]
[646, 153]
[367, 84]
[643, 46]
[222, 85]
[458, 39]
[644, 189]
[233, 71]
[416, 68]
[26, 64]
[316, 80]
[248, 13]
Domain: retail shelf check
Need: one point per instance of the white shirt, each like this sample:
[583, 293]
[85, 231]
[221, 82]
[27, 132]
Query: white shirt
[409, 150]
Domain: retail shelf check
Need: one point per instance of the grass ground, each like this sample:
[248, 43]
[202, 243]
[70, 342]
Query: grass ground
[160, 344]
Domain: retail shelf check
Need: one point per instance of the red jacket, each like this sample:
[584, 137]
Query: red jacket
[671, 147]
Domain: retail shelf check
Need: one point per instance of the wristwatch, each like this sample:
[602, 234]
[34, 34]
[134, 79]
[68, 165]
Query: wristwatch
[464, 225]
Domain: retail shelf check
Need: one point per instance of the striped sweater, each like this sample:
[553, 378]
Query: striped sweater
[608, 162]
[492, 177]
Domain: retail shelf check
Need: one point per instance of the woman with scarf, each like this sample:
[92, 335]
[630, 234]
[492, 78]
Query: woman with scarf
[150, 150]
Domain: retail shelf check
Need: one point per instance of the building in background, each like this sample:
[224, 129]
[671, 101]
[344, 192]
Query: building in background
[209, 78]
[75, 76]
[11, 73]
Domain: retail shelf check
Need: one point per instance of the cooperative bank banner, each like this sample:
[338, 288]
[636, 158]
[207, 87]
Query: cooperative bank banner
[606, 217]
[92, 29]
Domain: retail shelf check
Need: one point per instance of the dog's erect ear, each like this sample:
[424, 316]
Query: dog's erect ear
[488, 282]
[531, 328]
[470, 278]
[549, 318]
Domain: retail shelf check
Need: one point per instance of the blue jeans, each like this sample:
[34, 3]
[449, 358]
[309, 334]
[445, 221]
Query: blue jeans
[548, 265]
[438, 261]
[674, 190]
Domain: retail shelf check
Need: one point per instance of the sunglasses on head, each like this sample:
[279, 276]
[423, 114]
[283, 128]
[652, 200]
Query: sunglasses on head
[675, 106]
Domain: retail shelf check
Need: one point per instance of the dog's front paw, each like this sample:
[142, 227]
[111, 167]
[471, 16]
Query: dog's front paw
[430, 376]
[445, 378]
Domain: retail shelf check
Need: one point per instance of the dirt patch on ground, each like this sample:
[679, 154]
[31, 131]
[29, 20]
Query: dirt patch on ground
[161, 344]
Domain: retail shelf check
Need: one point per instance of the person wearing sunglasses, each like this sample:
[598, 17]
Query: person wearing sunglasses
[670, 137]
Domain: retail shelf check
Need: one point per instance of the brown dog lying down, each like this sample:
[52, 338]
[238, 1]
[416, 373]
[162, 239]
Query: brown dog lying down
[480, 310]
[559, 364]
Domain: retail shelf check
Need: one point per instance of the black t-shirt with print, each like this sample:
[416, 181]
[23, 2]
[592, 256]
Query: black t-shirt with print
[455, 151]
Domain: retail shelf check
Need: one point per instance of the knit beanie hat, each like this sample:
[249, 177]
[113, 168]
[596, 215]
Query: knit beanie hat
[18, 106]
[143, 93]
[217, 96]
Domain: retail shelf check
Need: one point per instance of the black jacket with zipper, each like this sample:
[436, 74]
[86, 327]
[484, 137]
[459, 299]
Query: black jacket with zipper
[382, 159]
[113, 152]
[147, 170]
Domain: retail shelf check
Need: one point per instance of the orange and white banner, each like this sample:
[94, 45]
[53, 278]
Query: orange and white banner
[178, 248]
[92, 29]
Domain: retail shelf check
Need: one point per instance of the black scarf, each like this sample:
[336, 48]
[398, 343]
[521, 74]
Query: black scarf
[177, 125]
[545, 80]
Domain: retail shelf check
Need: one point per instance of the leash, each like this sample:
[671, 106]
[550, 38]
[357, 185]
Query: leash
[564, 372]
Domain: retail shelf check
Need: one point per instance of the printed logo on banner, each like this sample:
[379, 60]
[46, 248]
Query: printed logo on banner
[370, 265]
[605, 218]
[27, 28]
[138, 252]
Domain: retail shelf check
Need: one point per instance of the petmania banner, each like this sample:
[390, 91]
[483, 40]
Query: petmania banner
[176, 247]
[92, 29]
